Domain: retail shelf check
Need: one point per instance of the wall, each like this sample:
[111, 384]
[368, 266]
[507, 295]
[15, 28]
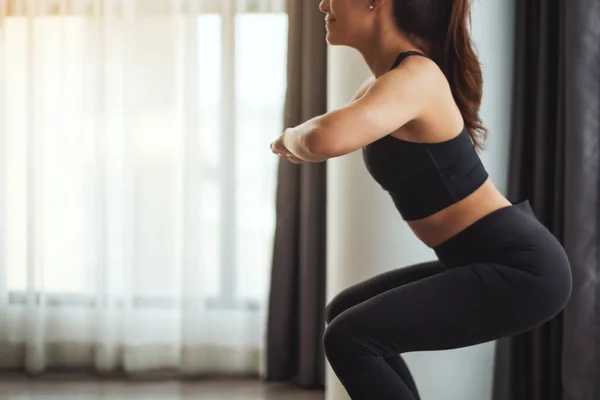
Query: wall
[366, 236]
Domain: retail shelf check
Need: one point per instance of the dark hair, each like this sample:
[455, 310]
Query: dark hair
[445, 25]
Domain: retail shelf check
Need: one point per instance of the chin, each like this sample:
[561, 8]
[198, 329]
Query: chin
[332, 40]
[336, 37]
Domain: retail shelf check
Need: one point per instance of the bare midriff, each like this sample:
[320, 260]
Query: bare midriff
[441, 226]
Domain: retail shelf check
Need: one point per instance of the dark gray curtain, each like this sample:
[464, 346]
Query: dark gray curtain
[581, 337]
[555, 162]
[297, 298]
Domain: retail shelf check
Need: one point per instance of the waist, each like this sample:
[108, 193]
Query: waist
[439, 227]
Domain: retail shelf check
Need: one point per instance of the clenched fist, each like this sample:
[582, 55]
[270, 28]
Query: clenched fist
[278, 148]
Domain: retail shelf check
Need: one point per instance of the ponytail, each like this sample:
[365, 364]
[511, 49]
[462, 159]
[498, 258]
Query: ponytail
[457, 58]
[445, 24]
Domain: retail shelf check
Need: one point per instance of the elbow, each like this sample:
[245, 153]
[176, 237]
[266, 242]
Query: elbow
[313, 143]
[319, 145]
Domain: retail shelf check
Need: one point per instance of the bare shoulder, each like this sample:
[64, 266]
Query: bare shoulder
[417, 75]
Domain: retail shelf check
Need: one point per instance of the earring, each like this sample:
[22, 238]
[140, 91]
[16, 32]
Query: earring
[372, 6]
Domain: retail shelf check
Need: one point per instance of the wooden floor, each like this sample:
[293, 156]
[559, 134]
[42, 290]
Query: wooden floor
[16, 388]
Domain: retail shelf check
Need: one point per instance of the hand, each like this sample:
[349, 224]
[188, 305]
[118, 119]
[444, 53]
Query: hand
[278, 148]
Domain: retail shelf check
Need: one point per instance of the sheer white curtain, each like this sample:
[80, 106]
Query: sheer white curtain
[136, 183]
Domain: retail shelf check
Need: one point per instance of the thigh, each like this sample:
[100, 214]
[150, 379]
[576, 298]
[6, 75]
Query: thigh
[378, 284]
[459, 307]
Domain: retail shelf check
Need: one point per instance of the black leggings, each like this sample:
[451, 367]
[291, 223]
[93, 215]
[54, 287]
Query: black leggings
[503, 275]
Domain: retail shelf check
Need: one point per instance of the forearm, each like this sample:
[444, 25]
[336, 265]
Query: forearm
[300, 140]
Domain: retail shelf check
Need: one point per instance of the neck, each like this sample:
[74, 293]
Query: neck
[382, 48]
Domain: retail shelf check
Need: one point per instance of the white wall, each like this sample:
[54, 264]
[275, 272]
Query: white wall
[366, 235]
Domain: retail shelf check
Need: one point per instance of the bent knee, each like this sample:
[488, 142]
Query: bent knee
[331, 311]
[345, 326]
[336, 334]
[345, 335]
[336, 306]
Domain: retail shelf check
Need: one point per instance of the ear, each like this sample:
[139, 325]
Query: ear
[377, 4]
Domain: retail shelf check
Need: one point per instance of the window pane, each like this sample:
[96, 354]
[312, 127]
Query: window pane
[209, 186]
[261, 83]
[60, 153]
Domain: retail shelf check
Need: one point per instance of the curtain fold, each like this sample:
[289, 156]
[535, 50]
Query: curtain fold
[555, 162]
[581, 344]
[136, 189]
[297, 297]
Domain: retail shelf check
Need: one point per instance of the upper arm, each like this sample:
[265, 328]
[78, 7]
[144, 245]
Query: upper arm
[394, 99]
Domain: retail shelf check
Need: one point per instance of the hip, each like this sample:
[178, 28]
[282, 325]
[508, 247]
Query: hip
[512, 236]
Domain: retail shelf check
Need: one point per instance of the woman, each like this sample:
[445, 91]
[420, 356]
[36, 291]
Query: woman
[499, 271]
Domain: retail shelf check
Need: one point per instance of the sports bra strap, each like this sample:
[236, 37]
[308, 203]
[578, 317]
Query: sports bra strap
[405, 54]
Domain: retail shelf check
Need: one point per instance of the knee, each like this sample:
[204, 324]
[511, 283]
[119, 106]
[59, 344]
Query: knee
[339, 334]
[332, 338]
[336, 306]
[330, 311]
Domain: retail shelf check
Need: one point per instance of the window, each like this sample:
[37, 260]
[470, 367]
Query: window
[127, 162]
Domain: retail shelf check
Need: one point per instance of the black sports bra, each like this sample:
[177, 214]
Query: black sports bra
[424, 178]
